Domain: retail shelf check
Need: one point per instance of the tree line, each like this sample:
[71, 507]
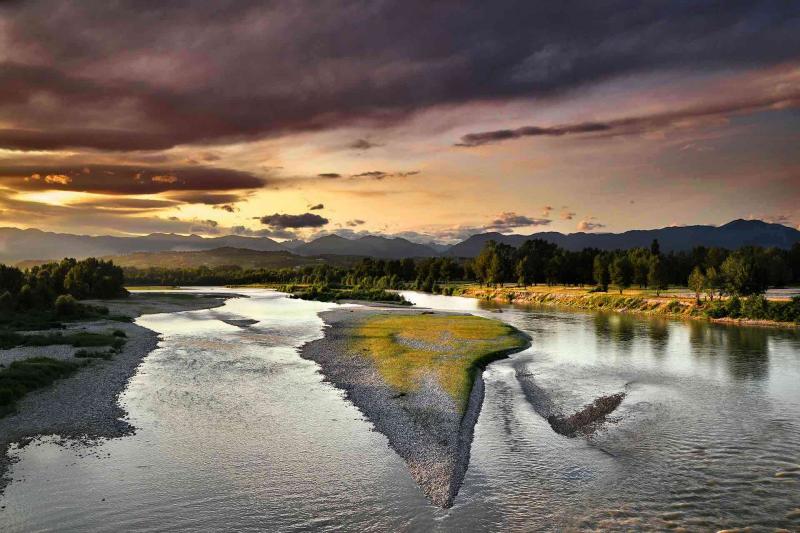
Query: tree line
[706, 270]
[57, 286]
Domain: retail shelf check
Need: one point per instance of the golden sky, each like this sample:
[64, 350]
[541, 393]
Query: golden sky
[427, 121]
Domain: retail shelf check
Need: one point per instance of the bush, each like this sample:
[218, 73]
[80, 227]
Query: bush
[119, 333]
[755, 307]
[66, 305]
[86, 354]
[27, 375]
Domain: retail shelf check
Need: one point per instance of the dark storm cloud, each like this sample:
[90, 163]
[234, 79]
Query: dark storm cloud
[17, 139]
[127, 203]
[128, 179]
[634, 125]
[133, 76]
[329, 175]
[284, 221]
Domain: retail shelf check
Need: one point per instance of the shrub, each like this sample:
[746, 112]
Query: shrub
[27, 375]
[66, 305]
[756, 307]
[87, 354]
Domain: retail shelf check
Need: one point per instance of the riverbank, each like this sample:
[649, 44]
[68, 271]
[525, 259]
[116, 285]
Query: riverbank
[664, 306]
[426, 422]
[84, 406]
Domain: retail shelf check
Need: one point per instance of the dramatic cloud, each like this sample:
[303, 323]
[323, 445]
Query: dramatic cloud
[635, 125]
[316, 207]
[206, 198]
[126, 203]
[283, 221]
[209, 227]
[271, 233]
[126, 179]
[587, 225]
[379, 174]
[120, 68]
[362, 144]
[510, 220]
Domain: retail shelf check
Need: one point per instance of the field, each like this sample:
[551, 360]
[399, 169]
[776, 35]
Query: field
[451, 348]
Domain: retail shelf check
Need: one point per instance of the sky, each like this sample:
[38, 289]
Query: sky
[426, 120]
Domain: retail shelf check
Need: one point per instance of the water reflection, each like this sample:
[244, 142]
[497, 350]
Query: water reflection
[614, 327]
[658, 332]
[746, 350]
[238, 433]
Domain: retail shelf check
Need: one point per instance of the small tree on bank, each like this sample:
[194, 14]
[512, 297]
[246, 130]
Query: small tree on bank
[600, 271]
[697, 282]
[621, 272]
[656, 274]
[712, 282]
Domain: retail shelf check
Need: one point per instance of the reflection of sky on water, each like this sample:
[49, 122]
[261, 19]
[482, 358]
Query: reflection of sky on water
[238, 432]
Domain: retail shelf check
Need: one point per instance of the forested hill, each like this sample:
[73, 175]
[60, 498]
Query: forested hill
[731, 236]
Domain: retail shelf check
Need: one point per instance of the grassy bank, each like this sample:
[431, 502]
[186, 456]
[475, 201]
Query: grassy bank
[407, 349]
[11, 339]
[754, 309]
[22, 377]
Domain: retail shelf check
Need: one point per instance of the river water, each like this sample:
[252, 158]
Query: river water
[237, 432]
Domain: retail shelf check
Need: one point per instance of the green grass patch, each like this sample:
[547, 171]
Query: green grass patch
[12, 339]
[453, 348]
[328, 294]
[89, 354]
[22, 377]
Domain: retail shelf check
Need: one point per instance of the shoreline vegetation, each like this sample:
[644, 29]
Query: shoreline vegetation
[755, 310]
[717, 284]
[417, 376]
[324, 293]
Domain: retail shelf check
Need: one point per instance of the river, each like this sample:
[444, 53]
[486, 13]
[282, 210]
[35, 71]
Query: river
[237, 432]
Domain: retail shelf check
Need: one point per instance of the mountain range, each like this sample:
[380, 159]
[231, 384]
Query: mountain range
[31, 244]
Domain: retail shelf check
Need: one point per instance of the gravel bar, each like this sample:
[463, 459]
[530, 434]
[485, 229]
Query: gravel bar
[424, 427]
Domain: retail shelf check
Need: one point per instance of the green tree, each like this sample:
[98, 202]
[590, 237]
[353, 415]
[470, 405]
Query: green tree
[655, 248]
[697, 282]
[521, 270]
[745, 272]
[656, 274]
[620, 272]
[712, 282]
[600, 271]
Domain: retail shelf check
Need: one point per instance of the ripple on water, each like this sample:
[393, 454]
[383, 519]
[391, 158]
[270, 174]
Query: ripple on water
[237, 432]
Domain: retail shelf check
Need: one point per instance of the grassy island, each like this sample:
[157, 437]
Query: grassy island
[407, 349]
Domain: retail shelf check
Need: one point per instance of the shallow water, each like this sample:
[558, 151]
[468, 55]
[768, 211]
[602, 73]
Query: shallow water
[236, 432]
